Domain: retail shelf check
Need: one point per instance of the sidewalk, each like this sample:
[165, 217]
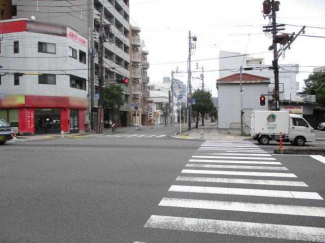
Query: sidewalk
[210, 131]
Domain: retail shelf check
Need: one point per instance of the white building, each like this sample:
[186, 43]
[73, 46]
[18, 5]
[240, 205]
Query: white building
[158, 98]
[43, 83]
[230, 62]
[230, 101]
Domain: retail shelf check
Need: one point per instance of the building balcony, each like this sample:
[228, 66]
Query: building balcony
[136, 57]
[146, 94]
[136, 73]
[125, 107]
[136, 29]
[145, 65]
[145, 80]
[136, 89]
[136, 41]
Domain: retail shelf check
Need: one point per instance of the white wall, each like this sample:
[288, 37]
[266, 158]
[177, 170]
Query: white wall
[29, 60]
[229, 102]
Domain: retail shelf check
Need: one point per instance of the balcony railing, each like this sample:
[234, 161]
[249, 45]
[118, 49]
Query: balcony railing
[146, 94]
[136, 72]
[145, 80]
[136, 57]
[136, 41]
[145, 65]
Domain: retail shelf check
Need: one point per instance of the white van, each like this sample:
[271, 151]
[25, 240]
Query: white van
[267, 125]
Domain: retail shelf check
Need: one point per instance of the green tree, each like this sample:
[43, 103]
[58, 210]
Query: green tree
[213, 114]
[166, 111]
[315, 85]
[112, 100]
[203, 104]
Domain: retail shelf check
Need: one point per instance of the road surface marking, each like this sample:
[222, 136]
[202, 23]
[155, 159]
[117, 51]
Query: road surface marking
[234, 149]
[243, 167]
[319, 158]
[247, 151]
[252, 154]
[242, 181]
[161, 136]
[246, 192]
[234, 162]
[229, 157]
[277, 231]
[244, 207]
[238, 173]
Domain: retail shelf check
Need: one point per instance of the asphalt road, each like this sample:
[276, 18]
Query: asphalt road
[140, 186]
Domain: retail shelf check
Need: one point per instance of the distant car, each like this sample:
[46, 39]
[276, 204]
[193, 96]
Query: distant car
[5, 132]
[321, 126]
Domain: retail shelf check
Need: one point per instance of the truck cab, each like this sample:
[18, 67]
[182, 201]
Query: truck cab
[300, 131]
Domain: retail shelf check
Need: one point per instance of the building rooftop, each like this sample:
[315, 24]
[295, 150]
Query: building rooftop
[245, 78]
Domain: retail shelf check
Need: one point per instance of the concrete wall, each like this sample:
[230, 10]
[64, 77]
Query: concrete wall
[229, 102]
[288, 80]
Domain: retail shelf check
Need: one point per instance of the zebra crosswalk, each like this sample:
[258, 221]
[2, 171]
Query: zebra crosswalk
[136, 135]
[239, 177]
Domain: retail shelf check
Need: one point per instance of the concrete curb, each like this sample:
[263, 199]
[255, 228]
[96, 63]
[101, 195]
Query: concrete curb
[309, 151]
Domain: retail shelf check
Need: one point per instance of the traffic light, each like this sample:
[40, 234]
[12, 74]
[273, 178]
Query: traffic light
[123, 80]
[262, 100]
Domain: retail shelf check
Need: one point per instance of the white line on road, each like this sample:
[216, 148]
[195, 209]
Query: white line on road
[263, 155]
[246, 151]
[242, 181]
[229, 157]
[246, 192]
[243, 167]
[161, 136]
[238, 173]
[244, 207]
[319, 158]
[235, 162]
[277, 231]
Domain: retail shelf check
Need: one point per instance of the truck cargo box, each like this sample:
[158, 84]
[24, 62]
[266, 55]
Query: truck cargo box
[270, 122]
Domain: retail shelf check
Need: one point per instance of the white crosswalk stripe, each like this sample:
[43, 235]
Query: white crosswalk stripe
[208, 173]
[134, 136]
[243, 167]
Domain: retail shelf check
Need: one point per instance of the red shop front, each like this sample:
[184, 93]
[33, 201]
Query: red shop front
[45, 114]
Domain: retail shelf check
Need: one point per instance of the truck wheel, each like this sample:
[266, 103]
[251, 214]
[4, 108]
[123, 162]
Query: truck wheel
[264, 140]
[300, 141]
[2, 140]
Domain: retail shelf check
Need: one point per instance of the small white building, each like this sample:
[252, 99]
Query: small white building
[230, 62]
[158, 98]
[229, 99]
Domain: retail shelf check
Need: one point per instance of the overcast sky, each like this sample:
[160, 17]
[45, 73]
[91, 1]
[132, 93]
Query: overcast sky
[229, 25]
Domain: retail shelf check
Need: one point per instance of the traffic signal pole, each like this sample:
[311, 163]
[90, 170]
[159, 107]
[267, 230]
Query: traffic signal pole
[189, 82]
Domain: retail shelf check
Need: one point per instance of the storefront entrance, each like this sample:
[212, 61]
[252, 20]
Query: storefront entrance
[74, 121]
[47, 121]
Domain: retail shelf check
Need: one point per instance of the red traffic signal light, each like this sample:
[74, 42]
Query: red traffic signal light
[123, 80]
[262, 100]
[126, 81]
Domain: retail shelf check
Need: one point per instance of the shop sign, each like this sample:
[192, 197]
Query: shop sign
[294, 109]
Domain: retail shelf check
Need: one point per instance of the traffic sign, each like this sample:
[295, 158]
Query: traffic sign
[132, 104]
[136, 107]
[193, 101]
[96, 95]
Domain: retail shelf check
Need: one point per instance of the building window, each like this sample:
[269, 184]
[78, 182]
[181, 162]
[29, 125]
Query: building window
[47, 79]
[73, 53]
[82, 57]
[14, 10]
[77, 82]
[46, 47]
[16, 78]
[16, 46]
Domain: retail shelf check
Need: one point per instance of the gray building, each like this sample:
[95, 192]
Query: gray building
[229, 99]
[83, 16]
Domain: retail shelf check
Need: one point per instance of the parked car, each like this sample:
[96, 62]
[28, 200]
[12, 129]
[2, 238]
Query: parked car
[5, 132]
[321, 126]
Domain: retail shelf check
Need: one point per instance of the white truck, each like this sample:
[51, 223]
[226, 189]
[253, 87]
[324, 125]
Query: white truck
[267, 125]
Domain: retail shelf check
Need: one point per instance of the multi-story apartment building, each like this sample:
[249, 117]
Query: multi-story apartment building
[139, 79]
[84, 17]
[43, 78]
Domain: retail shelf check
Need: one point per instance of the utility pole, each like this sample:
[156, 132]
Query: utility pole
[275, 60]
[241, 101]
[270, 7]
[102, 39]
[91, 61]
[202, 78]
[172, 97]
[191, 45]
